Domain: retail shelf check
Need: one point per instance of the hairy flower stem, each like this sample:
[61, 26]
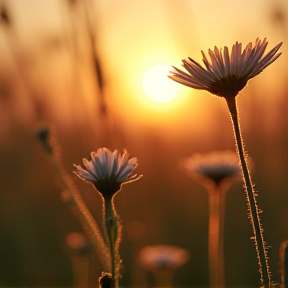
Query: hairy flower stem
[216, 223]
[112, 228]
[82, 212]
[253, 210]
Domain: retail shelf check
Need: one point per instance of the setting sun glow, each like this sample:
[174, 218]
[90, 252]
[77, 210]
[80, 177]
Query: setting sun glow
[157, 86]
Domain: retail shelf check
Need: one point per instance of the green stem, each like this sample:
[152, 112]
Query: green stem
[216, 230]
[253, 209]
[111, 224]
[285, 266]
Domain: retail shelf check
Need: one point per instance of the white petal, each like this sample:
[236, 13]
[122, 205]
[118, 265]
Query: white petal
[98, 165]
[84, 174]
[89, 167]
[125, 171]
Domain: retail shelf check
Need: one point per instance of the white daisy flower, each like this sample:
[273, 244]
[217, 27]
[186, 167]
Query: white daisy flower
[108, 170]
[227, 73]
[213, 167]
[162, 257]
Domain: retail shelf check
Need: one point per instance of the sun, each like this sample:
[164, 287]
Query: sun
[157, 86]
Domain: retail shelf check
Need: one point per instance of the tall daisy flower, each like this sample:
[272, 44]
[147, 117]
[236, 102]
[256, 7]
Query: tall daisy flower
[225, 75]
[216, 171]
[108, 171]
[162, 261]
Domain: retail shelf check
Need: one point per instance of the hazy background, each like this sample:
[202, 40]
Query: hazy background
[47, 73]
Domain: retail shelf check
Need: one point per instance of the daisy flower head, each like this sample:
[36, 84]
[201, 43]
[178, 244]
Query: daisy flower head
[226, 73]
[213, 168]
[108, 170]
[162, 257]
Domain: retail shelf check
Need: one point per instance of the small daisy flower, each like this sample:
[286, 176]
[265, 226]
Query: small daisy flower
[216, 171]
[226, 73]
[108, 170]
[213, 168]
[159, 257]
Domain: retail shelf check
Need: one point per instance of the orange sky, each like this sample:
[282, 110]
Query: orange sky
[135, 35]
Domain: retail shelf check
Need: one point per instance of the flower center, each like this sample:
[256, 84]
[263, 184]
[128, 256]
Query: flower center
[107, 188]
[228, 86]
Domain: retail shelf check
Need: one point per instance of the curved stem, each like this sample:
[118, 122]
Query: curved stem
[253, 210]
[81, 211]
